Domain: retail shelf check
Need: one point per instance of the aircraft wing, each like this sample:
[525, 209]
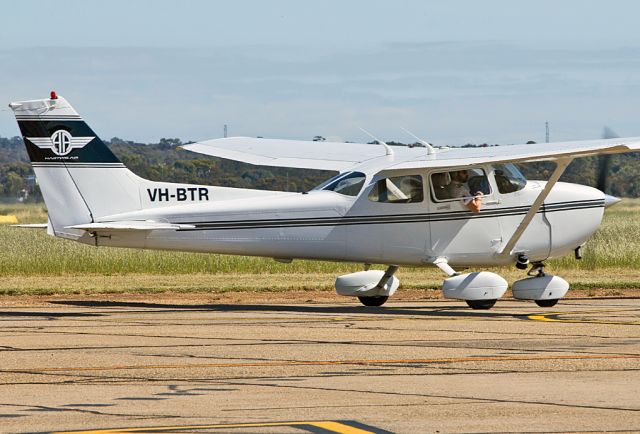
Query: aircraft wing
[293, 153]
[130, 226]
[453, 157]
[343, 156]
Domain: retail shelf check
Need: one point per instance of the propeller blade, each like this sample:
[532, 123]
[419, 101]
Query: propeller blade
[604, 162]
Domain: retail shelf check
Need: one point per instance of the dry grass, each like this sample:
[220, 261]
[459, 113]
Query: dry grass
[427, 279]
[25, 213]
[616, 244]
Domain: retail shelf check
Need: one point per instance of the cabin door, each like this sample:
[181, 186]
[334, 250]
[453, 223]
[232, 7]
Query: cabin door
[457, 233]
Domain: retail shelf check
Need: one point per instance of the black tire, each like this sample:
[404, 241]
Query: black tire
[481, 304]
[547, 303]
[373, 301]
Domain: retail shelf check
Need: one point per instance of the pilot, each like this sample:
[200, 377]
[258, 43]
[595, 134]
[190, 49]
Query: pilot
[440, 183]
[458, 188]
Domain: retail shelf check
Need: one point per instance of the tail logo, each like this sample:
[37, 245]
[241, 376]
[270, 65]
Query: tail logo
[61, 142]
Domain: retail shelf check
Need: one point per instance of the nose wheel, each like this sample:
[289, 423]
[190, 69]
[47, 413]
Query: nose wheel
[542, 288]
[547, 303]
[537, 270]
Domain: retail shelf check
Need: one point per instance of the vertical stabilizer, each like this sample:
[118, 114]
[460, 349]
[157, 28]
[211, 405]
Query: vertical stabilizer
[80, 178]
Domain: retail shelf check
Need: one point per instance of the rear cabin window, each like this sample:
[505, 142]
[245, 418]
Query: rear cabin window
[458, 184]
[398, 189]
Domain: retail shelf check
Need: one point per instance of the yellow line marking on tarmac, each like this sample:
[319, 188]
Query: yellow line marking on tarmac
[552, 317]
[331, 426]
[325, 363]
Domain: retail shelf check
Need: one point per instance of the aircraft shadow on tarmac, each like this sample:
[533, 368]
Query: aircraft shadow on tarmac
[421, 310]
[51, 315]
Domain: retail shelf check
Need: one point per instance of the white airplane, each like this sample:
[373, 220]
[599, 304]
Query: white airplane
[396, 206]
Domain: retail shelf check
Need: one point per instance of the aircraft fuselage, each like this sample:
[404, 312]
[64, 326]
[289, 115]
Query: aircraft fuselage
[326, 225]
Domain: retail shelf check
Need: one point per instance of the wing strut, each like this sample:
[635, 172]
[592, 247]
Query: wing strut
[561, 165]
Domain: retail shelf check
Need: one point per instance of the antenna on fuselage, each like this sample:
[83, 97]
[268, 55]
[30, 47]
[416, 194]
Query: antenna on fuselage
[430, 149]
[387, 148]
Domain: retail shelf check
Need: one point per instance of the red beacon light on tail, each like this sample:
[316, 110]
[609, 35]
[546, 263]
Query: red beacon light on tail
[54, 95]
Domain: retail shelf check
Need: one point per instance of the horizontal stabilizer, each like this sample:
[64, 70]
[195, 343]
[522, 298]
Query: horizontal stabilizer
[32, 226]
[130, 226]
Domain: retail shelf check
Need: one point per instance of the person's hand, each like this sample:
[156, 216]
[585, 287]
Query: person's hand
[475, 204]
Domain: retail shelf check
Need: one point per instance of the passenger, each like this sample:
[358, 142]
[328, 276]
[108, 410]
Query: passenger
[504, 185]
[458, 188]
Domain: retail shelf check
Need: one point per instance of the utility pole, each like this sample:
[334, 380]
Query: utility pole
[546, 125]
[225, 131]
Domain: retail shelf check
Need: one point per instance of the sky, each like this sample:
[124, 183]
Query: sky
[451, 72]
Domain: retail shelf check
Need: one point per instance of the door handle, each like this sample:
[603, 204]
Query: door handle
[493, 202]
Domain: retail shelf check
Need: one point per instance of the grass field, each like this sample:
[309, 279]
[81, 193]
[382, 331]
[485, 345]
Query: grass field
[33, 263]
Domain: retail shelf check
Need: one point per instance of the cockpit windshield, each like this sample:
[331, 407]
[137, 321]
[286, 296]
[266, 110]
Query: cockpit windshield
[508, 178]
[348, 183]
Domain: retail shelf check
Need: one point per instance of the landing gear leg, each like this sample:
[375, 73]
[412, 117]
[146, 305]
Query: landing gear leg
[537, 270]
[379, 300]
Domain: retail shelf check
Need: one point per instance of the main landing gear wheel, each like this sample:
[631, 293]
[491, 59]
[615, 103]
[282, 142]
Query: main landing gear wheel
[373, 301]
[547, 303]
[481, 304]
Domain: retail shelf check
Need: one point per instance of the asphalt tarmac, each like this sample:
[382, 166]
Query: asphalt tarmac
[428, 367]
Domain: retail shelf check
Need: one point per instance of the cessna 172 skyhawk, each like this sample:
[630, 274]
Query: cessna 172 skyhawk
[392, 206]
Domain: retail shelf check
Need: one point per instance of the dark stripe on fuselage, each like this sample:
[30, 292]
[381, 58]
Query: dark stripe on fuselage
[387, 219]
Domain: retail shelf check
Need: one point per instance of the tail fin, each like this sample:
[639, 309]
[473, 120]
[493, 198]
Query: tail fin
[80, 178]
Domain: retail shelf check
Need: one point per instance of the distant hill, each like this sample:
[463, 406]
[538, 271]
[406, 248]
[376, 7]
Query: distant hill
[162, 161]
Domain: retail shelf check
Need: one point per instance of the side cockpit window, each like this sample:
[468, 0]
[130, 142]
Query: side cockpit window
[348, 183]
[508, 178]
[459, 184]
[398, 189]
